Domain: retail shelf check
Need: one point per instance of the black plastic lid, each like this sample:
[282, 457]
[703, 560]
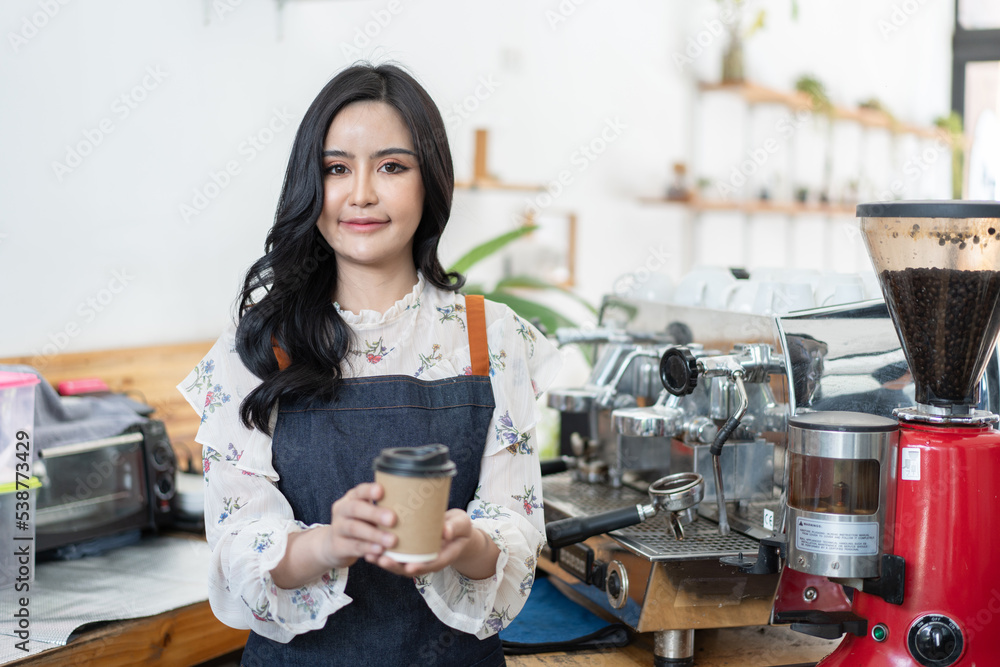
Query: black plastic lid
[930, 208]
[843, 422]
[422, 461]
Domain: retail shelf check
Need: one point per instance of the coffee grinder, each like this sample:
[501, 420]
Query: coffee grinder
[939, 267]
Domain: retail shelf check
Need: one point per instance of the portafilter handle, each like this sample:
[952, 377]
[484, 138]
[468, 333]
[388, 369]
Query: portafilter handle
[558, 465]
[675, 493]
[565, 532]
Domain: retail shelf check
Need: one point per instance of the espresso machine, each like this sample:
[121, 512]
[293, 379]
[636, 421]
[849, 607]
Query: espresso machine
[832, 469]
[681, 399]
[937, 587]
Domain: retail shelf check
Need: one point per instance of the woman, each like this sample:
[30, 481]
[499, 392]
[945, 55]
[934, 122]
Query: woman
[352, 338]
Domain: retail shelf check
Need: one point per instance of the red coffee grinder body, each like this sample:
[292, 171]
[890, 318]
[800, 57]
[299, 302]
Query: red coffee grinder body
[939, 267]
[947, 531]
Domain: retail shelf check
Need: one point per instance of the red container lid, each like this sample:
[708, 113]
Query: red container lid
[83, 386]
[15, 380]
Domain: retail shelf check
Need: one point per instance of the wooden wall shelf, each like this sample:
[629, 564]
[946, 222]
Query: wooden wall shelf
[754, 93]
[777, 207]
[490, 184]
[481, 179]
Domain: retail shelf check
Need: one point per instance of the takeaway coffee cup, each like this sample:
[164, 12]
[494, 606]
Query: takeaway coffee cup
[416, 481]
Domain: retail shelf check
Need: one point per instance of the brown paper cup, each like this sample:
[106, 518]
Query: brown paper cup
[419, 504]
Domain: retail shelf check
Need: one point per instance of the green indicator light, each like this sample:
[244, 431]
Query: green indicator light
[879, 633]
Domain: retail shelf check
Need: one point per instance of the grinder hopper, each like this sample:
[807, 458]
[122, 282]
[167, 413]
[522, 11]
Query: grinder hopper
[939, 266]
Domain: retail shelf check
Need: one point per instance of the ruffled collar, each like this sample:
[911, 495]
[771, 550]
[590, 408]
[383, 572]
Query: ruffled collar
[374, 318]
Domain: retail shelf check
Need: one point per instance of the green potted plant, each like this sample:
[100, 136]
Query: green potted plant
[821, 105]
[816, 91]
[732, 57]
[509, 290]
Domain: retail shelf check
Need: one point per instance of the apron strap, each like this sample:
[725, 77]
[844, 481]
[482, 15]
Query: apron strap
[284, 361]
[475, 315]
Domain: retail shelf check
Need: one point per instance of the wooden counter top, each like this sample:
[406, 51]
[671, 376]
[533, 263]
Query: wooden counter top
[186, 636]
[191, 635]
[766, 646]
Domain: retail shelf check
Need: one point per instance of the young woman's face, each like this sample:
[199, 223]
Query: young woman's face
[373, 194]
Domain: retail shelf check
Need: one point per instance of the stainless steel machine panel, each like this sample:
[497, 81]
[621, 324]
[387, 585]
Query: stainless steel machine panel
[846, 358]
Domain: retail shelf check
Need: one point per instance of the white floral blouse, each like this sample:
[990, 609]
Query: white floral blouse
[247, 519]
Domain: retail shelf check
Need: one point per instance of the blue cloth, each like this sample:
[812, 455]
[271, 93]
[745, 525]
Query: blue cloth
[549, 616]
[322, 450]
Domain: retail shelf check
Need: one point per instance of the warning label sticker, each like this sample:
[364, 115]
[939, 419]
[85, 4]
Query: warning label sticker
[911, 464]
[831, 537]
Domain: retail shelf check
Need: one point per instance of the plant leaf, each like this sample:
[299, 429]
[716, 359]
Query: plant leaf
[531, 311]
[757, 24]
[528, 282]
[487, 248]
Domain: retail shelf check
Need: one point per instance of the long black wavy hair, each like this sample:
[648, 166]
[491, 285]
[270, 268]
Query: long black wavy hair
[287, 295]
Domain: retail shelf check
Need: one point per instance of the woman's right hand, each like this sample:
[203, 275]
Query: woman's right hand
[355, 529]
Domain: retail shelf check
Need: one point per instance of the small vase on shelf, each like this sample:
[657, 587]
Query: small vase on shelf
[679, 190]
[732, 59]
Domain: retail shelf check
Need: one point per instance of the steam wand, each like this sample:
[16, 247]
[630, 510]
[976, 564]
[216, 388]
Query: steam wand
[720, 439]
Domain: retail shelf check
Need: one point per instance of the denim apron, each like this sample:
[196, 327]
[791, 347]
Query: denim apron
[321, 450]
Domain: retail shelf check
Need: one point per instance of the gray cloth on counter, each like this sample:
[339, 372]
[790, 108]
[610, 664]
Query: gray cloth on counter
[61, 420]
[152, 577]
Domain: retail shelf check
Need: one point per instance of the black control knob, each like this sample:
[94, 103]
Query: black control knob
[163, 455]
[614, 585]
[679, 371]
[935, 641]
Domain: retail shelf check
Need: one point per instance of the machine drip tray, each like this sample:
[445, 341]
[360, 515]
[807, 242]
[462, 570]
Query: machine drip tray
[652, 539]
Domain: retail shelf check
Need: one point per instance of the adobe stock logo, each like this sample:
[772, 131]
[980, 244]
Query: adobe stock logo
[87, 310]
[899, 17]
[564, 10]
[460, 111]
[219, 180]
[122, 107]
[224, 7]
[581, 159]
[714, 28]
[363, 35]
[37, 21]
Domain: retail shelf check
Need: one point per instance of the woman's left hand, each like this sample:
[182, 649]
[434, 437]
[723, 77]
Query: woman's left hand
[469, 549]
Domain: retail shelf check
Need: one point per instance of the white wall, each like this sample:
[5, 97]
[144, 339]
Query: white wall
[100, 256]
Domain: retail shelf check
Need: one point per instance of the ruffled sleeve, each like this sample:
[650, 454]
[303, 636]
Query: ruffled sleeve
[508, 501]
[523, 364]
[247, 519]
